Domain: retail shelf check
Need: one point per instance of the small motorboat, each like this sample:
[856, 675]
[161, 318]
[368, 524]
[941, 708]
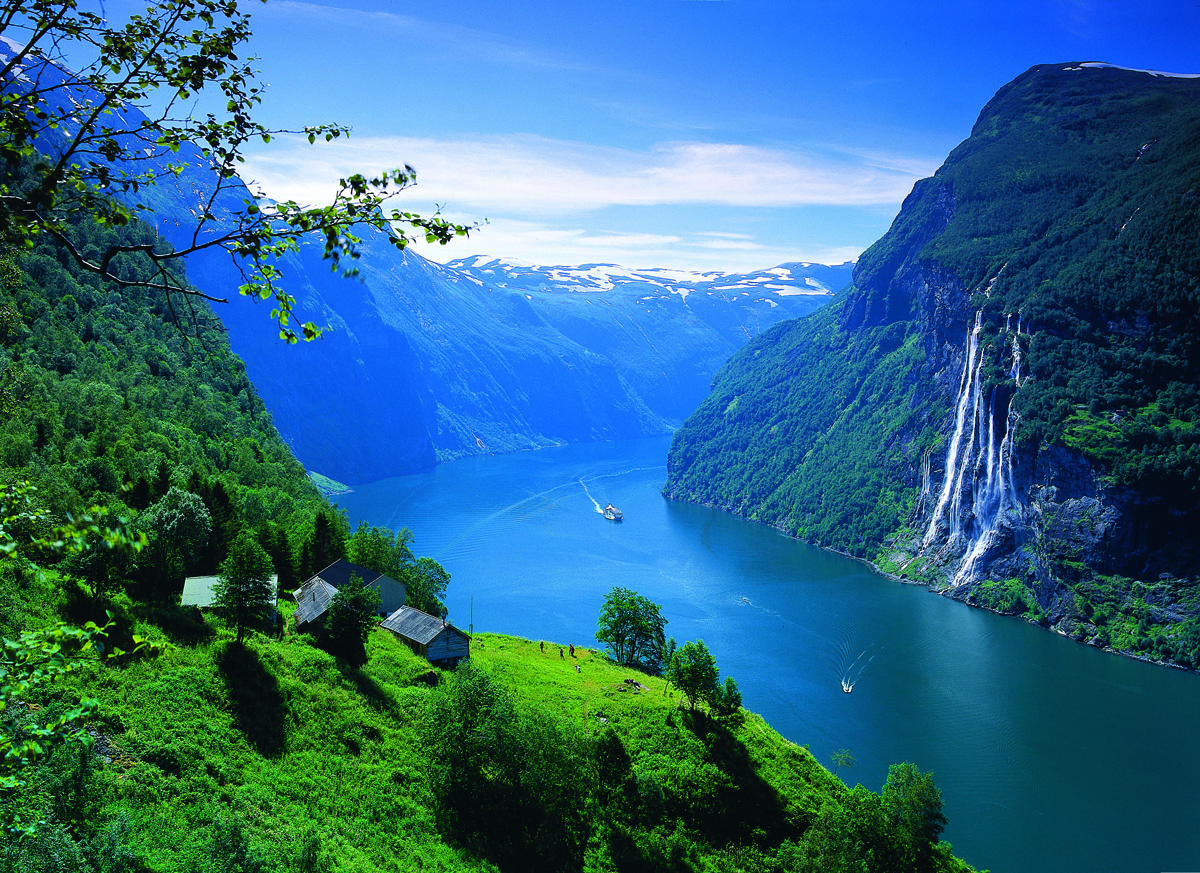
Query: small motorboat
[612, 513]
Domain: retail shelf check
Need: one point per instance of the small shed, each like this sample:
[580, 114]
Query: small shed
[441, 643]
[201, 591]
[338, 575]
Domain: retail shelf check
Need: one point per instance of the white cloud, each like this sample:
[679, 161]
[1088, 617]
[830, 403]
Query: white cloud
[530, 175]
[551, 202]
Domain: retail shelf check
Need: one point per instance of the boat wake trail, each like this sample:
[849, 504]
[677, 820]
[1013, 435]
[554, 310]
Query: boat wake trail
[850, 671]
[852, 675]
[595, 502]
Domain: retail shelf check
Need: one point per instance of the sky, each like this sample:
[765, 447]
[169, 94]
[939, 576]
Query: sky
[689, 134]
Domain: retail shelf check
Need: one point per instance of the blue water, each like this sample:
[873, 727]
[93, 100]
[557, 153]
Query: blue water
[1050, 755]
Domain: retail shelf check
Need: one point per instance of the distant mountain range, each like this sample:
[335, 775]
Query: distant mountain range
[786, 280]
[427, 363]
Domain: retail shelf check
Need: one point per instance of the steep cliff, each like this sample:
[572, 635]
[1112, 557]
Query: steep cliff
[1004, 403]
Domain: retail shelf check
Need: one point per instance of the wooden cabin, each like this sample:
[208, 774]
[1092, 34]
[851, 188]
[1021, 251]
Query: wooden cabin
[312, 598]
[439, 642]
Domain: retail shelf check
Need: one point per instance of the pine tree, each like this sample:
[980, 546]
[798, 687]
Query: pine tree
[244, 590]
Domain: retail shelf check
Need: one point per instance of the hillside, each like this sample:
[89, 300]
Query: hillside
[111, 401]
[1004, 403]
[279, 757]
[276, 756]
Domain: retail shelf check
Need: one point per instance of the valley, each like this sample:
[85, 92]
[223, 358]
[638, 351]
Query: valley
[997, 402]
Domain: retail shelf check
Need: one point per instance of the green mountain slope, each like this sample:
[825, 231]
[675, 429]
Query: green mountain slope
[110, 399]
[1004, 403]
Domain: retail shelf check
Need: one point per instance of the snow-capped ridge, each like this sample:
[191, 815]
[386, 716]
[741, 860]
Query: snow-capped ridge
[1099, 65]
[783, 280]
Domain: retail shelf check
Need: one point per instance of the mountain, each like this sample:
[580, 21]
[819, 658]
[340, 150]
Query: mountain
[1004, 403]
[427, 363]
[424, 363]
[787, 280]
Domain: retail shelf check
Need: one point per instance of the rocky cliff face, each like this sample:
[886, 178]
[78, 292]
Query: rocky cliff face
[1004, 404]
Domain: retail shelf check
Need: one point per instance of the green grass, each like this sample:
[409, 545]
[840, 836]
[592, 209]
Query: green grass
[280, 735]
[328, 487]
[295, 748]
[645, 720]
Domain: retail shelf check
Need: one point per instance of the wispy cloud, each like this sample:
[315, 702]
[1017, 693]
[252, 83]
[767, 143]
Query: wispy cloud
[530, 175]
[453, 39]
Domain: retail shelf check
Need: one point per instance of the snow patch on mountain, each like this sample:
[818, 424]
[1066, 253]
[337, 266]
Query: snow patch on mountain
[784, 280]
[1097, 65]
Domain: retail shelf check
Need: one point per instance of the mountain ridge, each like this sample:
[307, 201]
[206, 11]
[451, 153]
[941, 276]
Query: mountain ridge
[1003, 403]
[480, 368]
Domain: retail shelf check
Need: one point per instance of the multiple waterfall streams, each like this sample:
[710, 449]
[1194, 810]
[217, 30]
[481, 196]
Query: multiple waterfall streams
[978, 498]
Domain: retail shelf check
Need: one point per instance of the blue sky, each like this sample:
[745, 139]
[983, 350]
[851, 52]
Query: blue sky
[692, 134]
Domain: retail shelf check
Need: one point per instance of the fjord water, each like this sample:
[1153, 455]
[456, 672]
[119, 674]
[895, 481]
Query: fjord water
[1050, 755]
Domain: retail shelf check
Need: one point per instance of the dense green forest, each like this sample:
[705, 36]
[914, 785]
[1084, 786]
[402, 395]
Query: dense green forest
[112, 398]
[1067, 223]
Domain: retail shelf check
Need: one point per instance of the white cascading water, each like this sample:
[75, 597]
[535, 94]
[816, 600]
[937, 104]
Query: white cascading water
[953, 470]
[979, 489]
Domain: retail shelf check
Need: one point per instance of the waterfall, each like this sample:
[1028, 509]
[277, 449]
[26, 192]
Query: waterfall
[1014, 371]
[953, 467]
[978, 494]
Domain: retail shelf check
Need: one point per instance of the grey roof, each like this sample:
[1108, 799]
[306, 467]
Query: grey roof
[199, 590]
[339, 572]
[202, 590]
[312, 599]
[420, 627]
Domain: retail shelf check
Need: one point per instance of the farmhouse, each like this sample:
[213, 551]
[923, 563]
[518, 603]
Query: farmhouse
[432, 638]
[312, 600]
[313, 597]
[201, 591]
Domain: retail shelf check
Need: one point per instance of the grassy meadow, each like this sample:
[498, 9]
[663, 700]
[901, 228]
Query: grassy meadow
[276, 756]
